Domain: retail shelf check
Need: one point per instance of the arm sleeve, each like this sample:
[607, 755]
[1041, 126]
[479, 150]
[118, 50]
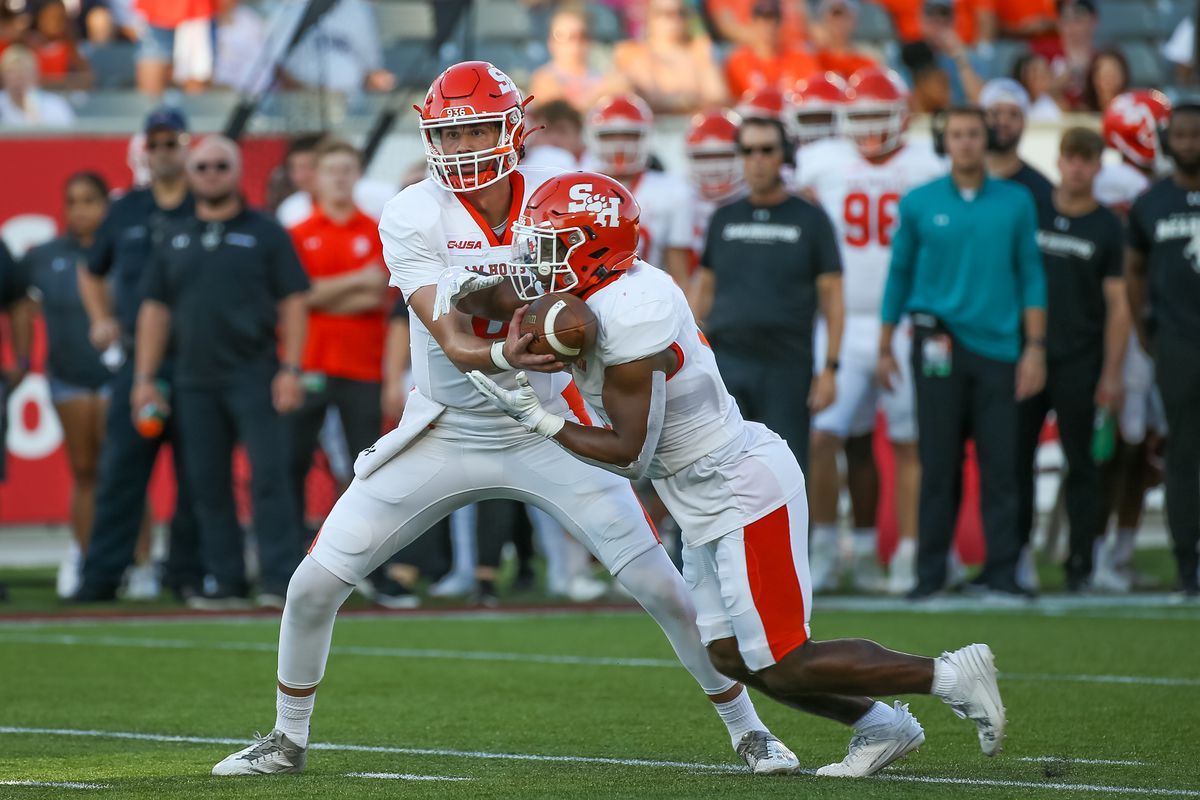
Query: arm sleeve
[286, 274]
[404, 230]
[1030, 271]
[825, 243]
[1136, 235]
[100, 255]
[900, 272]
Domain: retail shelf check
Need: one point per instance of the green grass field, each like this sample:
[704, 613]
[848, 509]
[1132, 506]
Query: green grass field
[1102, 701]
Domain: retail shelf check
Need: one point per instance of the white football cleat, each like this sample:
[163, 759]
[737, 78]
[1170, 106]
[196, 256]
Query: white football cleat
[976, 695]
[141, 582]
[273, 754]
[874, 748]
[902, 572]
[67, 582]
[766, 755]
[824, 562]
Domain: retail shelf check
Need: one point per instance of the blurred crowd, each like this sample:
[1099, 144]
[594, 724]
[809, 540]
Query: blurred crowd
[680, 56]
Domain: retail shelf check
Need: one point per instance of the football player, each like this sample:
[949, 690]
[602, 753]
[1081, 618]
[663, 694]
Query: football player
[1133, 125]
[859, 178]
[619, 134]
[443, 237]
[734, 486]
[716, 175]
[813, 108]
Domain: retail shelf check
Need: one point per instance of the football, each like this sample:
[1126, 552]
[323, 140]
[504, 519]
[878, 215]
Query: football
[562, 325]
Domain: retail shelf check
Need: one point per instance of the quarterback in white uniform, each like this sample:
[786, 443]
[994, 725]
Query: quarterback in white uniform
[444, 237]
[859, 179]
[619, 135]
[734, 486]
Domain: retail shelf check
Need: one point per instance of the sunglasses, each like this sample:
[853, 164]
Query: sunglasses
[216, 166]
[762, 150]
[670, 12]
[161, 144]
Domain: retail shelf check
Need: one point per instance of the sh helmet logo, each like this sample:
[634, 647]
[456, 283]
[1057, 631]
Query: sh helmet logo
[606, 209]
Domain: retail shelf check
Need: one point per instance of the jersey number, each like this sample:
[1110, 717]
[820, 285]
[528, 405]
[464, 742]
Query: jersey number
[866, 222]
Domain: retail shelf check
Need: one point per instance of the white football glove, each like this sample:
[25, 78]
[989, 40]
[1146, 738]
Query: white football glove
[455, 283]
[521, 404]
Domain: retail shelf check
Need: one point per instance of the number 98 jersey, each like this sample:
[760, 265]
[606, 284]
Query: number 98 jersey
[862, 198]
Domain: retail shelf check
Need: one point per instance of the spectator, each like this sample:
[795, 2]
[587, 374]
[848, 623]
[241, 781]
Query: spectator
[733, 21]
[1108, 76]
[965, 265]
[837, 20]
[22, 103]
[1162, 270]
[1180, 51]
[1032, 71]
[240, 41]
[906, 18]
[1086, 336]
[111, 288]
[1077, 31]
[231, 386]
[770, 263]
[340, 250]
[1027, 19]
[1005, 104]
[157, 50]
[569, 74]
[53, 41]
[13, 25]
[79, 382]
[933, 85]
[370, 196]
[671, 68]
[975, 23]
[951, 53]
[771, 60]
[559, 142]
[341, 53]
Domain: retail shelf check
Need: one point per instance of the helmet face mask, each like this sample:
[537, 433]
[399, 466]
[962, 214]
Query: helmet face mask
[467, 95]
[541, 258]
[622, 152]
[876, 130]
[712, 155]
[813, 124]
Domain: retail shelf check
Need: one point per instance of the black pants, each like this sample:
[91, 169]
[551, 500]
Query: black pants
[358, 404]
[212, 422]
[772, 392]
[1070, 392]
[976, 400]
[1177, 370]
[126, 464]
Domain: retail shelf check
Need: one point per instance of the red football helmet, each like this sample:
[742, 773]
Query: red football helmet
[1133, 126]
[763, 103]
[711, 143]
[813, 107]
[877, 116]
[473, 92]
[578, 229]
[619, 134]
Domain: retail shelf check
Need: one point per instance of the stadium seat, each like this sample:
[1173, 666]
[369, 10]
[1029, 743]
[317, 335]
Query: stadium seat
[1145, 64]
[1129, 19]
[113, 65]
[874, 24]
[500, 20]
[405, 20]
[411, 62]
[209, 104]
[123, 105]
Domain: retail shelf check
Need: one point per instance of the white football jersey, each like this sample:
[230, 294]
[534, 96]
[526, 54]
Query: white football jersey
[667, 219]
[702, 213]
[1118, 185]
[426, 229]
[862, 198]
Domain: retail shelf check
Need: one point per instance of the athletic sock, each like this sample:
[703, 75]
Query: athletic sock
[739, 716]
[945, 679]
[825, 536]
[864, 543]
[878, 714]
[1122, 551]
[292, 715]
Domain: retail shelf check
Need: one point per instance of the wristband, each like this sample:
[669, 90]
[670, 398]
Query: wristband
[498, 358]
[549, 425]
[291, 369]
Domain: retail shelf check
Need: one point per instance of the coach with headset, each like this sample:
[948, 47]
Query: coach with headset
[1162, 276]
[966, 266]
[770, 262]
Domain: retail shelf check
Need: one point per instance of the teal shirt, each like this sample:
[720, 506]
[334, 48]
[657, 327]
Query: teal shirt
[973, 264]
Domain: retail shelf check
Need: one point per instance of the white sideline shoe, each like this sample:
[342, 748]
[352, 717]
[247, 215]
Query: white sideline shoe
[874, 748]
[976, 696]
[766, 755]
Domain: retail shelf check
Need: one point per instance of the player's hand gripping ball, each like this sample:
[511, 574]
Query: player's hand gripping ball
[562, 325]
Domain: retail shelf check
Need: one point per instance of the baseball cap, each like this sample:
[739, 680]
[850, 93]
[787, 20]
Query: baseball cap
[1068, 5]
[1004, 90]
[166, 118]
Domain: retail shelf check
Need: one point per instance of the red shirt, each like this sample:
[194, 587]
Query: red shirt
[746, 70]
[906, 17]
[341, 345]
[169, 13]
[844, 64]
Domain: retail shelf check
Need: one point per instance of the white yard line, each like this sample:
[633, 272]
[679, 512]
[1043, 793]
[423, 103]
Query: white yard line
[404, 776]
[57, 784]
[623, 762]
[74, 640]
[1108, 762]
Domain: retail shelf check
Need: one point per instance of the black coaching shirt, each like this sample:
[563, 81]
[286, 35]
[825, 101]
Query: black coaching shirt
[1078, 254]
[1038, 185]
[766, 261]
[222, 282]
[127, 237]
[1164, 225]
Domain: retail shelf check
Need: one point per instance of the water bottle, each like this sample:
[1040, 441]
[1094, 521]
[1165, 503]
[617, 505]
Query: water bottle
[152, 418]
[1104, 436]
[113, 357]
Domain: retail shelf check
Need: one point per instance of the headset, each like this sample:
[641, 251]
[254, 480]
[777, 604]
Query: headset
[937, 126]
